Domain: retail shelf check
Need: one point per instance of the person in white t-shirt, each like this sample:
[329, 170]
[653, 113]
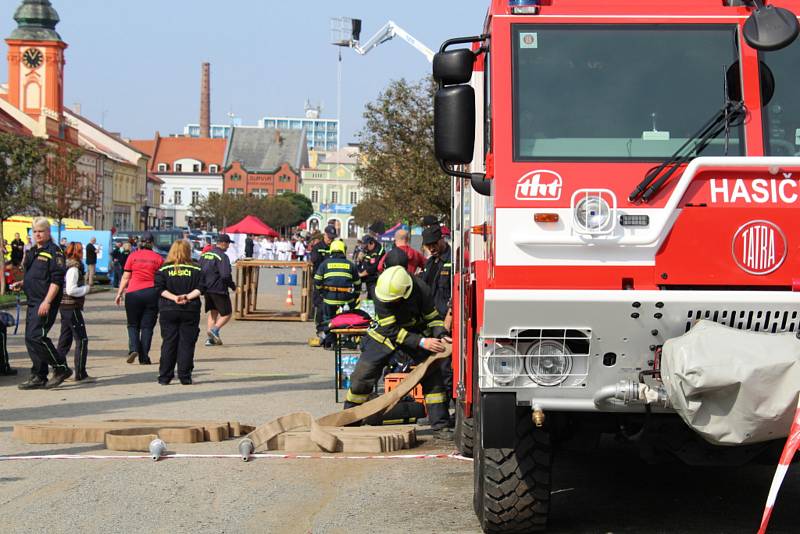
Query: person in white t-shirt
[300, 250]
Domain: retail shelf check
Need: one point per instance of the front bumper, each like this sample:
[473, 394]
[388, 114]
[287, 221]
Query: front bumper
[623, 329]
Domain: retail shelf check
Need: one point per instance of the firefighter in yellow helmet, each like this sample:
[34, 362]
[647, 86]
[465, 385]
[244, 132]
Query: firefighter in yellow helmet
[338, 284]
[406, 320]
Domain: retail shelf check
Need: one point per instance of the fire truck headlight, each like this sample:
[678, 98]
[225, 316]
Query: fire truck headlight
[548, 362]
[593, 213]
[503, 364]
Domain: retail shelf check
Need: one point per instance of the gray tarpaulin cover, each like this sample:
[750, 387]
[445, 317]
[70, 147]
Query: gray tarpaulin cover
[732, 386]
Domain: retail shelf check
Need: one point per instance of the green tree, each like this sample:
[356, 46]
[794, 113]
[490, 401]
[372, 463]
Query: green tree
[398, 167]
[66, 192]
[304, 206]
[23, 162]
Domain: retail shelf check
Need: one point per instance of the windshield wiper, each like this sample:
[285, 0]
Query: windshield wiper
[730, 115]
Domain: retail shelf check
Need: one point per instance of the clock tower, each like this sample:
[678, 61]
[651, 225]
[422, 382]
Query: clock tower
[36, 61]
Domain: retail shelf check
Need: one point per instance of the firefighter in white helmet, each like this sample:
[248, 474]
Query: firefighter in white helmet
[406, 320]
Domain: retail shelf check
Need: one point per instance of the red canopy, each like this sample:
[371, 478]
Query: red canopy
[251, 225]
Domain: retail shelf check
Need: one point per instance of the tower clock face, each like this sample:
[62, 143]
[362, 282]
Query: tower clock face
[32, 58]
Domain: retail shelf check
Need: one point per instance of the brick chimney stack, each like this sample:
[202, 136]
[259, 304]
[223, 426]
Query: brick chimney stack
[205, 102]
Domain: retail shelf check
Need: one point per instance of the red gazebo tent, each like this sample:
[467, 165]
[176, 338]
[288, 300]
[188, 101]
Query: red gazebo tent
[251, 225]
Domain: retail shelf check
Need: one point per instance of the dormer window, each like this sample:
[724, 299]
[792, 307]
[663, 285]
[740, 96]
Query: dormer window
[196, 167]
[163, 167]
[178, 167]
[213, 169]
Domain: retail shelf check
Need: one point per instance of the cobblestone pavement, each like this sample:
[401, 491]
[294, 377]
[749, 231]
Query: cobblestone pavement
[265, 370]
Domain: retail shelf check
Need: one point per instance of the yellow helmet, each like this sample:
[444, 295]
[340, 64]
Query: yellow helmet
[338, 246]
[395, 283]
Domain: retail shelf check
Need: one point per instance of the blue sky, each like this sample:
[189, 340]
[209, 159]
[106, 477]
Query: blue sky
[139, 60]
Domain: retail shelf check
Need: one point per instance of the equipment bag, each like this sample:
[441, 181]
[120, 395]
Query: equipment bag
[351, 319]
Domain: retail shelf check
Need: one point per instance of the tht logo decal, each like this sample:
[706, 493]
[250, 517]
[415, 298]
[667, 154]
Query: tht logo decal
[539, 185]
[759, 247]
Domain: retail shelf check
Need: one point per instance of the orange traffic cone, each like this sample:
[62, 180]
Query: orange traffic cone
[289, 298]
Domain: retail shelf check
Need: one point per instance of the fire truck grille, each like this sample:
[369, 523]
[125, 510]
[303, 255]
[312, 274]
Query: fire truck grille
[754, 320]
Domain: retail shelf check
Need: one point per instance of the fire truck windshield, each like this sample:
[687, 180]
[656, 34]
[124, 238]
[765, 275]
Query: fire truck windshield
[619, 92]
[782, 114]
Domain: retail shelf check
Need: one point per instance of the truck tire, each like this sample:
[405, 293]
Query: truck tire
[512, 486]
[465, 431]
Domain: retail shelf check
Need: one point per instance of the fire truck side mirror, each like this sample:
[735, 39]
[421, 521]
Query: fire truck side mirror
[770, 27]
[454, 124]
[453, 67]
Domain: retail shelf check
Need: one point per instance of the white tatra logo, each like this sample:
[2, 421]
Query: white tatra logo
[539, 185]
[759, 247]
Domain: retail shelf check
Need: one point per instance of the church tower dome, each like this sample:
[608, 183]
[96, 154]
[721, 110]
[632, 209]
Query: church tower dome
[36, 21]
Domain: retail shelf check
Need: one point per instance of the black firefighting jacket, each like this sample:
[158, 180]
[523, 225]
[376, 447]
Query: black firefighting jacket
[180, 279]
[406, 321]
[337, 280]
[319, 253]
[437, 275]
[44, 266]
[370, 264]
[216, 268]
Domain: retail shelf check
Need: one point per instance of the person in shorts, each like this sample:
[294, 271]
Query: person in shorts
[217, 280]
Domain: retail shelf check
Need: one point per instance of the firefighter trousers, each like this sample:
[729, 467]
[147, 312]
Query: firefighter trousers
[74, 327]
[4, 364]
[141, 310]
[373, 360]
[179, 332]
[40, 348]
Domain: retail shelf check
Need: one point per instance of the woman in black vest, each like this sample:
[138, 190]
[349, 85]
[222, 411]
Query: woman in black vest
[72, 323]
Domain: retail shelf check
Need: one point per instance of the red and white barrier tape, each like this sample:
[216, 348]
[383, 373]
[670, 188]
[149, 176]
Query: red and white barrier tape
[265, 456]
[789, 450]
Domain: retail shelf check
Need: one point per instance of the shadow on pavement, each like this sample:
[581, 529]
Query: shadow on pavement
[614, 491]
[181, 394]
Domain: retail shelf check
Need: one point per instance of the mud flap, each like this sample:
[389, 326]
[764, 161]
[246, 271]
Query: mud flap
[498, 420]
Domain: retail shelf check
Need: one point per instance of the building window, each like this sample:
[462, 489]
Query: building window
[334, 197]
[353, 197]
[236, 191]
[195, 197]
[177, 198]
[235, 177]
[314, 196]
[213, 169]
[163, 167]
[178, 167]
[260, 193]
[284, 179]
[196, 167]
[162, 197]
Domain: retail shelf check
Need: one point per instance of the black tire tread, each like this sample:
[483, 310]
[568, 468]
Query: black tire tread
[516, 481]
[465, 433]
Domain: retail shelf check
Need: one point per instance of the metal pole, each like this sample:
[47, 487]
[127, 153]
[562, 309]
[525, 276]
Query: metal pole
[339, 106]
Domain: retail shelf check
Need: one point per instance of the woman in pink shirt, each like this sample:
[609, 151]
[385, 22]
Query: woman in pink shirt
[141, 299]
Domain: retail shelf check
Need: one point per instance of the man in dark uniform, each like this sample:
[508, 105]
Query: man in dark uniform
[320, 253]
[217, 279]
[406, 321]
[368, 267]
[249, 246]
[17, 251]
[43, 284]
[338, 284]
[437, 274]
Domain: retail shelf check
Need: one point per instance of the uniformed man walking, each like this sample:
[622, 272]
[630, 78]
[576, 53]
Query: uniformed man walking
[368, 267]
[407, 322]
[337, 282]
[217, 279]
[43, 285]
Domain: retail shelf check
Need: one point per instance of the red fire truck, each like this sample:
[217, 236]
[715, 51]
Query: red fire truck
[622, 169]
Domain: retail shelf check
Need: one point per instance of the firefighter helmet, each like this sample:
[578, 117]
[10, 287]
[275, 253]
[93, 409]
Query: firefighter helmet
[395, 283]
[338, 246]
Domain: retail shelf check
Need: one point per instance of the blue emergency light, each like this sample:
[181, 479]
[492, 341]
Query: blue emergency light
[524, 7]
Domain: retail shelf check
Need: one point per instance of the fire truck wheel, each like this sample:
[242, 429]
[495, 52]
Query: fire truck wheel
[465, 431]
[512, 486]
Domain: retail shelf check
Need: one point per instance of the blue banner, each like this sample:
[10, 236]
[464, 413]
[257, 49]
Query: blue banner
[103, 245]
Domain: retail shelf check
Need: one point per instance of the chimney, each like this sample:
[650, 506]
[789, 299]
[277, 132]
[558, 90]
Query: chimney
[76, 107]
[278, 138]
[205, 102]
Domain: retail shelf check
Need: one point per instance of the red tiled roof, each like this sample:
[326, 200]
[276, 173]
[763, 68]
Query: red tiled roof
[170, 149]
